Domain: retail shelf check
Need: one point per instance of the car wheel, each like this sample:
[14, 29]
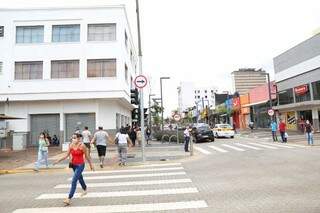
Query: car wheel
[217, 135]
[232, 136]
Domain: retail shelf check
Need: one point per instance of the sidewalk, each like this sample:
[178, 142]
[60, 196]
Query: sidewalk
[23, 161]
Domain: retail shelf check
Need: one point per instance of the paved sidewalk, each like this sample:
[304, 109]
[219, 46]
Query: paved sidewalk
[23, 161]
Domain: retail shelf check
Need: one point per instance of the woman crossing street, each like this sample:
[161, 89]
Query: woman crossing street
[42, 152]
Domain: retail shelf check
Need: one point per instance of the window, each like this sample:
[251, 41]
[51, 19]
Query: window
[1, 67]
[102, 68]
[195, 97]
[302, 93]
[285, 97]
[205, 91]
[66, 33]
[28, 70]
[316, 90]
[1, 31]
[195, 92]
[101, 32]
[65, 69]
[29, 34]
[198, 96]
[206, 96]
[126, 72]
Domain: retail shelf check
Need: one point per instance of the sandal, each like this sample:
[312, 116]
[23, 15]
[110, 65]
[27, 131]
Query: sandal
[66, 202]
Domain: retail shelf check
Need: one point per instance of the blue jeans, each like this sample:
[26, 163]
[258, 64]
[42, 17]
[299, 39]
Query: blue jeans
[310, 138]
[77, 169]
[186, 144]
[42, 156]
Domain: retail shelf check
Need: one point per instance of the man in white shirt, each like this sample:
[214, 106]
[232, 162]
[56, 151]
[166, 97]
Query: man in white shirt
[100, 139]
[186, 135]
[86, 137]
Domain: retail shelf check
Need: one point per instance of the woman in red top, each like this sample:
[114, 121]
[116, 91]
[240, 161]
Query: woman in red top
[78, 151]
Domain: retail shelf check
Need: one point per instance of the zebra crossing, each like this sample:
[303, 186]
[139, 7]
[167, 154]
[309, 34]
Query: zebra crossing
[123, 190]
[242, 147]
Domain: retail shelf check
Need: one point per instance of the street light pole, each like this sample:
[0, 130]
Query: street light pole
[141, 91]
[161, 78]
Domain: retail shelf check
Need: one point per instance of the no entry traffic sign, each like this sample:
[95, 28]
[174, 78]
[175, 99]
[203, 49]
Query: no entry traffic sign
[177, 117]
[140, 81]
[271, 112]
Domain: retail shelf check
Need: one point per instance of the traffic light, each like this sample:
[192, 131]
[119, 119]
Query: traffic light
[134, 94]
[135, 115]
[145, 115]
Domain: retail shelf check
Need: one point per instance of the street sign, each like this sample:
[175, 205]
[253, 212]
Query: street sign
[271, 112]
[140, 81]
[177, 117]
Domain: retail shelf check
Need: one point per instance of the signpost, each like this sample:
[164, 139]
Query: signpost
[271, 112]
[177, 118]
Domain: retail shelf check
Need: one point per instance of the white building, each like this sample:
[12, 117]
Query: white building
[189, 95]
[66, 68]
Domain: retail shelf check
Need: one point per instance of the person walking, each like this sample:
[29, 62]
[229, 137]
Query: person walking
[282, 130]
[133, 136]
[274, 128]
[100, 139]
[122, 139]
[148, 134]
[139, 135]
[186, 135]
[42, 151]
[309, 130]
[86, 138]
[79, 153]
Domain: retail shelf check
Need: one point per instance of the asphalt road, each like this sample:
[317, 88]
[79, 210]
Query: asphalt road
[228, 175]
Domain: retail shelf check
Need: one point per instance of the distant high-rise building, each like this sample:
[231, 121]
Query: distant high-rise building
[248, 78]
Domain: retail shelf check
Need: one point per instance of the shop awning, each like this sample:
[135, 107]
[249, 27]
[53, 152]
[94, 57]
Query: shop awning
[253, 104]
[6, 117]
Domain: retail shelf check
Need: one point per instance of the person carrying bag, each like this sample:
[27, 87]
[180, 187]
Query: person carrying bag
[122, 139]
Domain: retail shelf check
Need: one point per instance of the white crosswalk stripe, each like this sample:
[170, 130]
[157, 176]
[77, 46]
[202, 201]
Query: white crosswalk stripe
[132, 170]
[218, 149]
[151, 207]
[169, 184]
[278, 145]
[248, 146]
[233, 147]
[264, 146]
[202, 150]
[128, 183]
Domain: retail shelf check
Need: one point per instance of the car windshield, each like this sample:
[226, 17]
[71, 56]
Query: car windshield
[203, 128]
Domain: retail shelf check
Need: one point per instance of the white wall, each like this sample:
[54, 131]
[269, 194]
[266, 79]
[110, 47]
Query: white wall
[47, 51]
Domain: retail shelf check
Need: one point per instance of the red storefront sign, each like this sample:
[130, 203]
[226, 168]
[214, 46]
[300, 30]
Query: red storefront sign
[301, 90]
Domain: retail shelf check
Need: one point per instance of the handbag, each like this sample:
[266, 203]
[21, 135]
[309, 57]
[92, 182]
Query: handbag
[286, 135]
[70, 165]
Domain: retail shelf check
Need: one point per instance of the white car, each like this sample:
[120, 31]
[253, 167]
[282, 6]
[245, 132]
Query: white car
[223, 130]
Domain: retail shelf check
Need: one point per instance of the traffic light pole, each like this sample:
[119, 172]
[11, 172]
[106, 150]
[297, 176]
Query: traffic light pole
[141, 91]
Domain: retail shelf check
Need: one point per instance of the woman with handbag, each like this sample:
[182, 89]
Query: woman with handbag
[79, 153]
[122, 139]
[42, 151]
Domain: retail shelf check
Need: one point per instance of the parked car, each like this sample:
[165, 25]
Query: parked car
[223, 130]
[202, 132]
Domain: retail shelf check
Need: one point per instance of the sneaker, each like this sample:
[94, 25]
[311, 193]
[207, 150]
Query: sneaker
[120, 164]
[124, 163]
[84, 193]
[36, 170]
[101, 165]
[66, 202]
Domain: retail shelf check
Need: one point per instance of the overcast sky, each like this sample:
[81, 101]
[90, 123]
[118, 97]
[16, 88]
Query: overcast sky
[205, 40]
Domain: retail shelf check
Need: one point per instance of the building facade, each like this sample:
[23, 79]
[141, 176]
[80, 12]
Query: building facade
[246, 79]
[297, 74]
[65, 68]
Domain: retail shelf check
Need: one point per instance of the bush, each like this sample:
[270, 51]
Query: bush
[159, 134]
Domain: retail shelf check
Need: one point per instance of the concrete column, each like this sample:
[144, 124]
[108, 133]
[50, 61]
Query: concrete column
[315, 118]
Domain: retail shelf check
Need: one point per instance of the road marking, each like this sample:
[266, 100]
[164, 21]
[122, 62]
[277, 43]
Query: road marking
[150, 207]
[133, 170]
[123, 193]
[233, 147]
[296, 145]
[202, 150]
[218, 149]
[156, 165]
[129, 183]
[264, 146]
[278, 145]
[133, 176]
[247, 146]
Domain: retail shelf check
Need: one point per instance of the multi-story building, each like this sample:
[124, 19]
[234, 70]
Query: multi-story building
[65, 68]
[243, 80]
[189, 96]
[297, 74]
